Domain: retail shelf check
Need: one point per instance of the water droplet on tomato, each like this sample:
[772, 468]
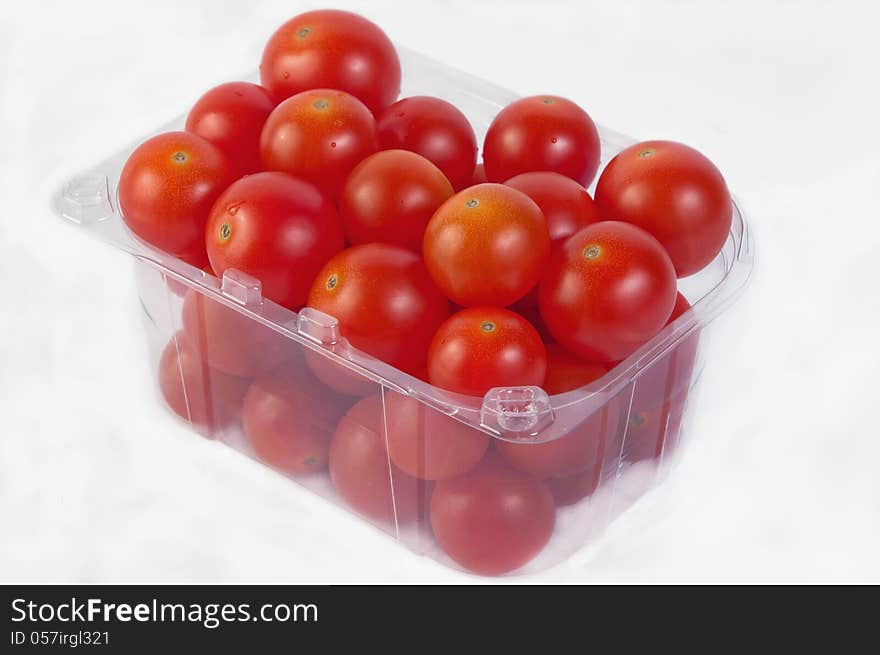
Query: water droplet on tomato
[553, 140]
[333, 144]
[234, 207]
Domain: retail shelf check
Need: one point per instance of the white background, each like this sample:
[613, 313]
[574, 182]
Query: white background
[781, 483]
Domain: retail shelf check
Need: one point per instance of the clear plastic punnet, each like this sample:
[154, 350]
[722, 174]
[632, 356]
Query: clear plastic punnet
[287, 389]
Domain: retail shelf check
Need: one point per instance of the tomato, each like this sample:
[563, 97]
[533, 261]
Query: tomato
[487, 245]
[653, 431]
[289, 420]
[362, 474]
[492, 519]
[232, 342]
[565, 204]
[208, 399]
[390, 196]
[332, 49]
[319, 136]
[479, 348]
[336, 376]
[384, 300]
[231, 116]
[166, 190]
[479, 176]
[609, 289]
[428, 444]
[673, 192]
[435, 129]
[277, 229]
[542, 133]
[580, 449]
[569, 489]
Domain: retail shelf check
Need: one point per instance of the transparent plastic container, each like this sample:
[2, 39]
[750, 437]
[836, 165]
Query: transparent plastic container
[217, 347]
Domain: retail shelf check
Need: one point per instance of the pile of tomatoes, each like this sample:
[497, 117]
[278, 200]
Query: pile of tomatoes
[339, 196]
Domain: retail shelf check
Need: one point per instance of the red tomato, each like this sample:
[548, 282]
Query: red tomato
[319, 136]
[653, 431]
[362, 474]
[384, 301]
[542, 133]
[492, 519]
[428, 444]
[332, 49]
[479, 176]
[208, 399]
[231, 116]
[609, 289]
[673, 192]
[276, 228]
[339, 378]
[289, 420]
[233, 343]
[569, 489]
[390, 196]
[487, 245]
[565, 204]
[582, 448]
[435, 129]
[480, 348]
[166, 190]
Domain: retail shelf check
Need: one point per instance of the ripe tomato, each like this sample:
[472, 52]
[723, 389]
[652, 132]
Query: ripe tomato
[289, 420]
[390, 196]
[673, 192]
[332, 49]
[208, 399]
[542, 133]
[479, 348]
[362, 474]
[384, 300]
[479, 176]
[435, 129]
[492, 519]
[319, 136]
[486, 245]
[565, 204]
[276, 228]
[336, 376]
[428, 444]
[232, 342]
[579, 450]
[569, 489]
[166, 190]
[231, 116]
[609, 289]
[653, 431]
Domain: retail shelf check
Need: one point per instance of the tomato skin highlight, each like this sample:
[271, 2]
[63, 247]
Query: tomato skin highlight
[276, 228]
[390, 197]
[384, 300]
[166, 189]
[486, 245]
[675, 193]
[332, 49]
[542, 133]
[231, 116]
[318, 136]
[435, 129]
[608, 290]
[493, 519]
[479, 348]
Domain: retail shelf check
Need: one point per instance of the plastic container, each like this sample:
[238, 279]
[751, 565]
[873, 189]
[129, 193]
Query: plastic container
[209, 338]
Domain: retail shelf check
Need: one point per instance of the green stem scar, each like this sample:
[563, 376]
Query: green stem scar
[179, 157]
[320, 104]
[225, 231]
[332, 281]
[647, 152]
[303, 32]
[473, 202]
[487, 326]
[591, 252]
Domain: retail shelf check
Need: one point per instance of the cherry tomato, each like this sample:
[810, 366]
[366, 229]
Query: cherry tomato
[384, 300]
[492, 519]
[362, 474]
[336, 376]
[653, 431]
[479, 176]
[428, 444]
[289, 420]
[582, 448]
[166, 190]
[487, 245]
[609, 289]
[231, 116]
[435, 129]
[277, 229]
[390, 196]
[232, 342]
[673, 192]
[206, 398]
[569, 489]
[479, 348]
[319, 136]
[565, 204]
[332, 49]
[542, 133]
